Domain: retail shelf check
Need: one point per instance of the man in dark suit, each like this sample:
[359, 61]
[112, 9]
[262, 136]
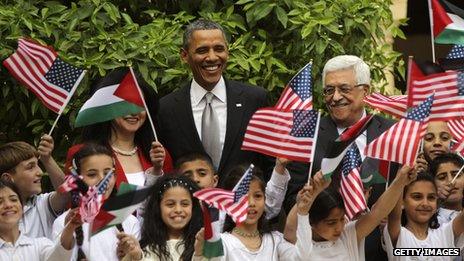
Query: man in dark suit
[346, 81]
[210, 113]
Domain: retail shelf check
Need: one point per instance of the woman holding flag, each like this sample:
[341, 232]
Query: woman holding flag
[135, 147]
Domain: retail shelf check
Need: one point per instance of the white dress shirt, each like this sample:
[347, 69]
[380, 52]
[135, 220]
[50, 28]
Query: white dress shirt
[219, 104]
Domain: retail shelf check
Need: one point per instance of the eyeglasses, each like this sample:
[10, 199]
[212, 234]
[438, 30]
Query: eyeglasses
[343, 89]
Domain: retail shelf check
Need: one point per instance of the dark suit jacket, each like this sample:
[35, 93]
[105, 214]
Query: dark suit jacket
[178, 132]
[299, 173]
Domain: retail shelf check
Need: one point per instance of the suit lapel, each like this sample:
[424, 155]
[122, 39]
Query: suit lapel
[374, 129]
[234, 120]
[185, 116]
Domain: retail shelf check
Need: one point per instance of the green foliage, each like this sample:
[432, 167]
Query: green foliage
[269, 41]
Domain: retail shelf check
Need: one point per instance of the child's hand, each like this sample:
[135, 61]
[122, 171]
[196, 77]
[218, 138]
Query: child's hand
[406, 175]
[319, 183]
[128, 245]
[73, 219]
[45, 148]
[444, 190]
[304, 199]
[421, 164]
[280, 165]
[199, 241]
[157, 156]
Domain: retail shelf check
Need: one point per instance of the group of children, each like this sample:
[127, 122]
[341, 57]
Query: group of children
[35, 226]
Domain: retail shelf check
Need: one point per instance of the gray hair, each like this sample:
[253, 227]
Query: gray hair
[200, 24]
[342, 62]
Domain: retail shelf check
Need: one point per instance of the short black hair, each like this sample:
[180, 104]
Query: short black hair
[199, 24]
[192, 157]
[444, 158]
[327, 200]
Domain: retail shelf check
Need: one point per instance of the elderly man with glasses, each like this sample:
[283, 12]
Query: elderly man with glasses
[346, 81]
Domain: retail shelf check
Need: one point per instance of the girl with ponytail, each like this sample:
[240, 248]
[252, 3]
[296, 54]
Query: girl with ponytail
[92, 163]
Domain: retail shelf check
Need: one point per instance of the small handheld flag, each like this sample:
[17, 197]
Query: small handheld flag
[39, 68]
[118, 99]
[235, 202]
[297, 95]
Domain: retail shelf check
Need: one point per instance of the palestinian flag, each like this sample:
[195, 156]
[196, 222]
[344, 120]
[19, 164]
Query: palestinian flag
[116, 209]
[120, 98]
[374, 171]
[339, 147]
[448, 23]
[213, 243]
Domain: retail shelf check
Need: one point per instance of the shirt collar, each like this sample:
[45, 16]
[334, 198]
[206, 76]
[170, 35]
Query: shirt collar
[197, 92]
[30, 203]
[342, 129]
[21, 241]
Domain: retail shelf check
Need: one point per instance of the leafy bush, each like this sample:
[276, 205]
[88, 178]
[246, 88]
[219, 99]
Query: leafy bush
[269, 41]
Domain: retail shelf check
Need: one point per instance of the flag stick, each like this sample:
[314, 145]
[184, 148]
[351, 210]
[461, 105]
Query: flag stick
[71, 93]
[408, 83]
[145, 105]
[457, 174]
[388, 177]
[313, 152]
[432, 38]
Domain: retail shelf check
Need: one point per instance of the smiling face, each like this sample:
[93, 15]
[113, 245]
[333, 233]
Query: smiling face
[27, 177]
[130, 123]
[330, 228]
[420, 201]
[207, 55]
[176, 209]
[201, 172]
[445, 174]
[437, 139]
[345, 108]
[11, 209]
[256, 203]
[94, 168]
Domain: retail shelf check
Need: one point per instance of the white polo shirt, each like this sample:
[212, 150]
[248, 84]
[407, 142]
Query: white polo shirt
[38, 216]
[26, 248]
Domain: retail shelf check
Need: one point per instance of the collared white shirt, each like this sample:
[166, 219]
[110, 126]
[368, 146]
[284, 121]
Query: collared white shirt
[26, 248]
[38, 217]
[219, 104]
[101, 246]
[361, 140]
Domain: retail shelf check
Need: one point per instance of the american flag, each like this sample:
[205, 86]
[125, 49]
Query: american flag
[456, 128]
[395, 105]
[287, 134]
[456, 52]
[40, 69]
[234, 202]
[93, 200]
[400, 143]
[68, 184]
[448, 88]
[459, 147]
[297, 95]
[351, 186]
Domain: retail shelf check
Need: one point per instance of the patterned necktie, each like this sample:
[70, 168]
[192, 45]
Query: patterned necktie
[210, 131]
